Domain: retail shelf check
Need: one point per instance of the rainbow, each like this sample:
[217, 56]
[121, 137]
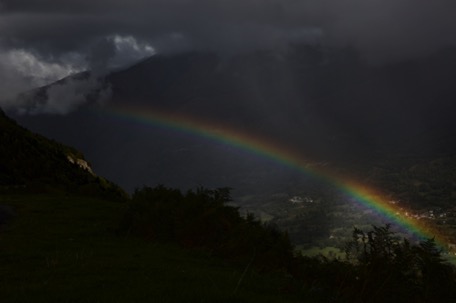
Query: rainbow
[362, 195]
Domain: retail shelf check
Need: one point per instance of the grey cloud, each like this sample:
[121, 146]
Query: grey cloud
[21, 70]
[100, 55]
[392, 29]
[129, 50]
[11, 82]
[64, 98]
[69, 94]
[385, 28]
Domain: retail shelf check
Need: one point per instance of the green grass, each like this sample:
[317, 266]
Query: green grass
[65, 249]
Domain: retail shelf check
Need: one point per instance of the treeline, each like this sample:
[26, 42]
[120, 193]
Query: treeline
[379, 266]
[202, 219]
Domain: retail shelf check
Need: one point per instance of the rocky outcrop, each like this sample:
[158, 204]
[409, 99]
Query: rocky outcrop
[81, 163]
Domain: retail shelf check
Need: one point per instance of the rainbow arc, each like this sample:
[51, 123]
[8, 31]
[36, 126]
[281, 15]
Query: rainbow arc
[369, 198]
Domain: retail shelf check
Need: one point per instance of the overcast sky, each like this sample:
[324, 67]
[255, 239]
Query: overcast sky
[44, 40]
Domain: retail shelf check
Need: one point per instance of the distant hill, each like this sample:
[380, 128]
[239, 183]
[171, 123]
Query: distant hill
[32, 163]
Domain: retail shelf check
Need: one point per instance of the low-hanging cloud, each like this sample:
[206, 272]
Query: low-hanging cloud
[113, 33]
[62, 98]
[21, 70]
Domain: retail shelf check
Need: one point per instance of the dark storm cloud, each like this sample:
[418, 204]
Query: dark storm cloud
[394, 28]
[53, 31]
[379, 28]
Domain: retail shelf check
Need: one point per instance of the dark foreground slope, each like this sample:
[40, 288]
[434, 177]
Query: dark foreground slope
[64, 249]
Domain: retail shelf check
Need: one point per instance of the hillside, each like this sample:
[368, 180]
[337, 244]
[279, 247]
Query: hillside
[65, 249]
[32, 163]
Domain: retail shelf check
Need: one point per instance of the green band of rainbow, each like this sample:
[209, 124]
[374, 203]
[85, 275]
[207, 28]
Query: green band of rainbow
[363, 195]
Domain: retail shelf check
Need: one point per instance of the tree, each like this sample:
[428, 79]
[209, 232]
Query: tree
[202, 219]
[391, 269]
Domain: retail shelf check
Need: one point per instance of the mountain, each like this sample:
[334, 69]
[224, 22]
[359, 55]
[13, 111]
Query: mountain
[326, 104]
[32, 163]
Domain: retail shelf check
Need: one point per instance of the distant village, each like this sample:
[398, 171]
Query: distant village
[438, 215]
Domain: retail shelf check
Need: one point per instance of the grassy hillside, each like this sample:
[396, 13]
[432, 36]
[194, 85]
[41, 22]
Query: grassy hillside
[32, 163]
[65, 249]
